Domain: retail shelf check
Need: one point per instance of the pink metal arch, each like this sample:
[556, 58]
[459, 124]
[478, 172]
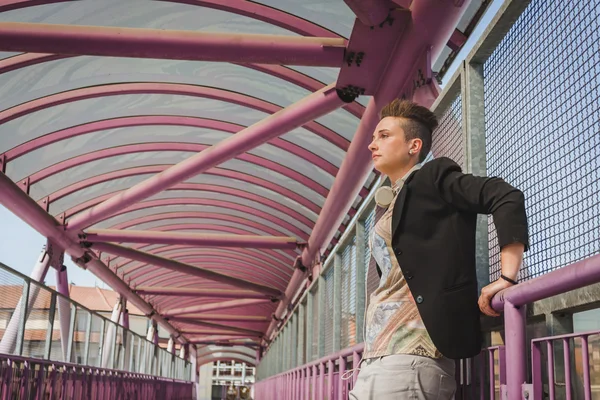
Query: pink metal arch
[156, 147]
[242, 194]
[252, 10]
[160, 120]
[254, 254]
[162, 88]
[237, 255]
[279, 71]
[155, 169]
[135, 272]
[283, 259]
[173, 216]
[233, 269]
[214, 203]
[150, 273]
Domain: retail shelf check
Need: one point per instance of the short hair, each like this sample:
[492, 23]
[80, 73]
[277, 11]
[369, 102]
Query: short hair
[418, 122]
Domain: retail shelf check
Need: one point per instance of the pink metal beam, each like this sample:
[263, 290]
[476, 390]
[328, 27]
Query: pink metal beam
[183, 268]
[311, 107]
[215, 306]
[176, 291]
[160, 120]
[159, 147]
[252, 10]
[279, 71]
[171, 44]
[225, 173]
[418, 37]
[180, 89]
[189, 238]
[370, 12]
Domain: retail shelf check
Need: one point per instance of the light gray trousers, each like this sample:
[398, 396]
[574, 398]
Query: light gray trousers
[402, 377]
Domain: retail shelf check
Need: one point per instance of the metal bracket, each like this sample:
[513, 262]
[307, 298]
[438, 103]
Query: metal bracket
[24, 185]
[349, 93]
[45, 203]
[3, 163]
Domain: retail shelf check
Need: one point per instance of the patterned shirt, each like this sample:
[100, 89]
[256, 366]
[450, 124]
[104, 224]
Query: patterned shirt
[393, 322]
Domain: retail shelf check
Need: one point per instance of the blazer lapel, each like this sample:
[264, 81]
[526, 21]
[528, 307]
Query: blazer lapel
[399, 204]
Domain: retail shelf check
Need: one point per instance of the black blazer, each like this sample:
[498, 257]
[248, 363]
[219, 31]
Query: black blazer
[434, 241]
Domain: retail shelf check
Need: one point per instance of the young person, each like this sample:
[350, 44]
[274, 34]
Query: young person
[426, 310]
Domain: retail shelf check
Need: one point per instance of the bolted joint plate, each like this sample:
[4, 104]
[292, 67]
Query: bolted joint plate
[368, 50]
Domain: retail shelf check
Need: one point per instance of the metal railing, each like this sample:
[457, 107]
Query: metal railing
[39, 334]
[26, 378]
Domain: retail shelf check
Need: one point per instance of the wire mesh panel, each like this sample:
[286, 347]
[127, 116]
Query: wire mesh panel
[371, 277]
[349, 294]
[448, 139]
[314, 352]
[542, 129]
[37, 322]
[328, 312]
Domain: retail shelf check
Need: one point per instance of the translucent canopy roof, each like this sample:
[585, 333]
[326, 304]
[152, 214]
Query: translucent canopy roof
[87, 120]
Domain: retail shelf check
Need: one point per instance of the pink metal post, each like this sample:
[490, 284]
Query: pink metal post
[64, 309]
[188, 238]
[38, 274]
[307, 109]
[171, 44]
[514, 320]
[183, 268]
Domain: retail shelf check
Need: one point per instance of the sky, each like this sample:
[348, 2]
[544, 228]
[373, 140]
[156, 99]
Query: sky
[20, 245]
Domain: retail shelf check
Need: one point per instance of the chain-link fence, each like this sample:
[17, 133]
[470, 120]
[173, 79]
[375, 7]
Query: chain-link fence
[542, 129]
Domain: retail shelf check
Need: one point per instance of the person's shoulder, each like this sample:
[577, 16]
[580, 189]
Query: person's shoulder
[440, 166]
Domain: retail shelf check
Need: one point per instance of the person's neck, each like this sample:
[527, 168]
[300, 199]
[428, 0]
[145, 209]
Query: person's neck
[400, 172]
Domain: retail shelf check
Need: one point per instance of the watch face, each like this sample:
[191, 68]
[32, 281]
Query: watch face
[384, 196]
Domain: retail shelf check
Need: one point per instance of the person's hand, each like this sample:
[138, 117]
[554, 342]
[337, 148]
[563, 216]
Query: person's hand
[488, 292]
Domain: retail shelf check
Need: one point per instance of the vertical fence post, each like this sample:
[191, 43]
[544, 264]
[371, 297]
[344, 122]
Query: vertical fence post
[322, 322]
[337, 302]
[302, 324]
[360, 279]
[310, 328]
[71, 332]
[514, 320]
[88, 334]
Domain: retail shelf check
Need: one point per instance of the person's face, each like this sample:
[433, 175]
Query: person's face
[390, 151]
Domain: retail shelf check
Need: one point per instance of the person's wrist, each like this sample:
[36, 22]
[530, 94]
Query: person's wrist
[507, 281]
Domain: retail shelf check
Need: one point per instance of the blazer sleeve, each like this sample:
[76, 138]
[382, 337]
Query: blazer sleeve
[483, 195]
